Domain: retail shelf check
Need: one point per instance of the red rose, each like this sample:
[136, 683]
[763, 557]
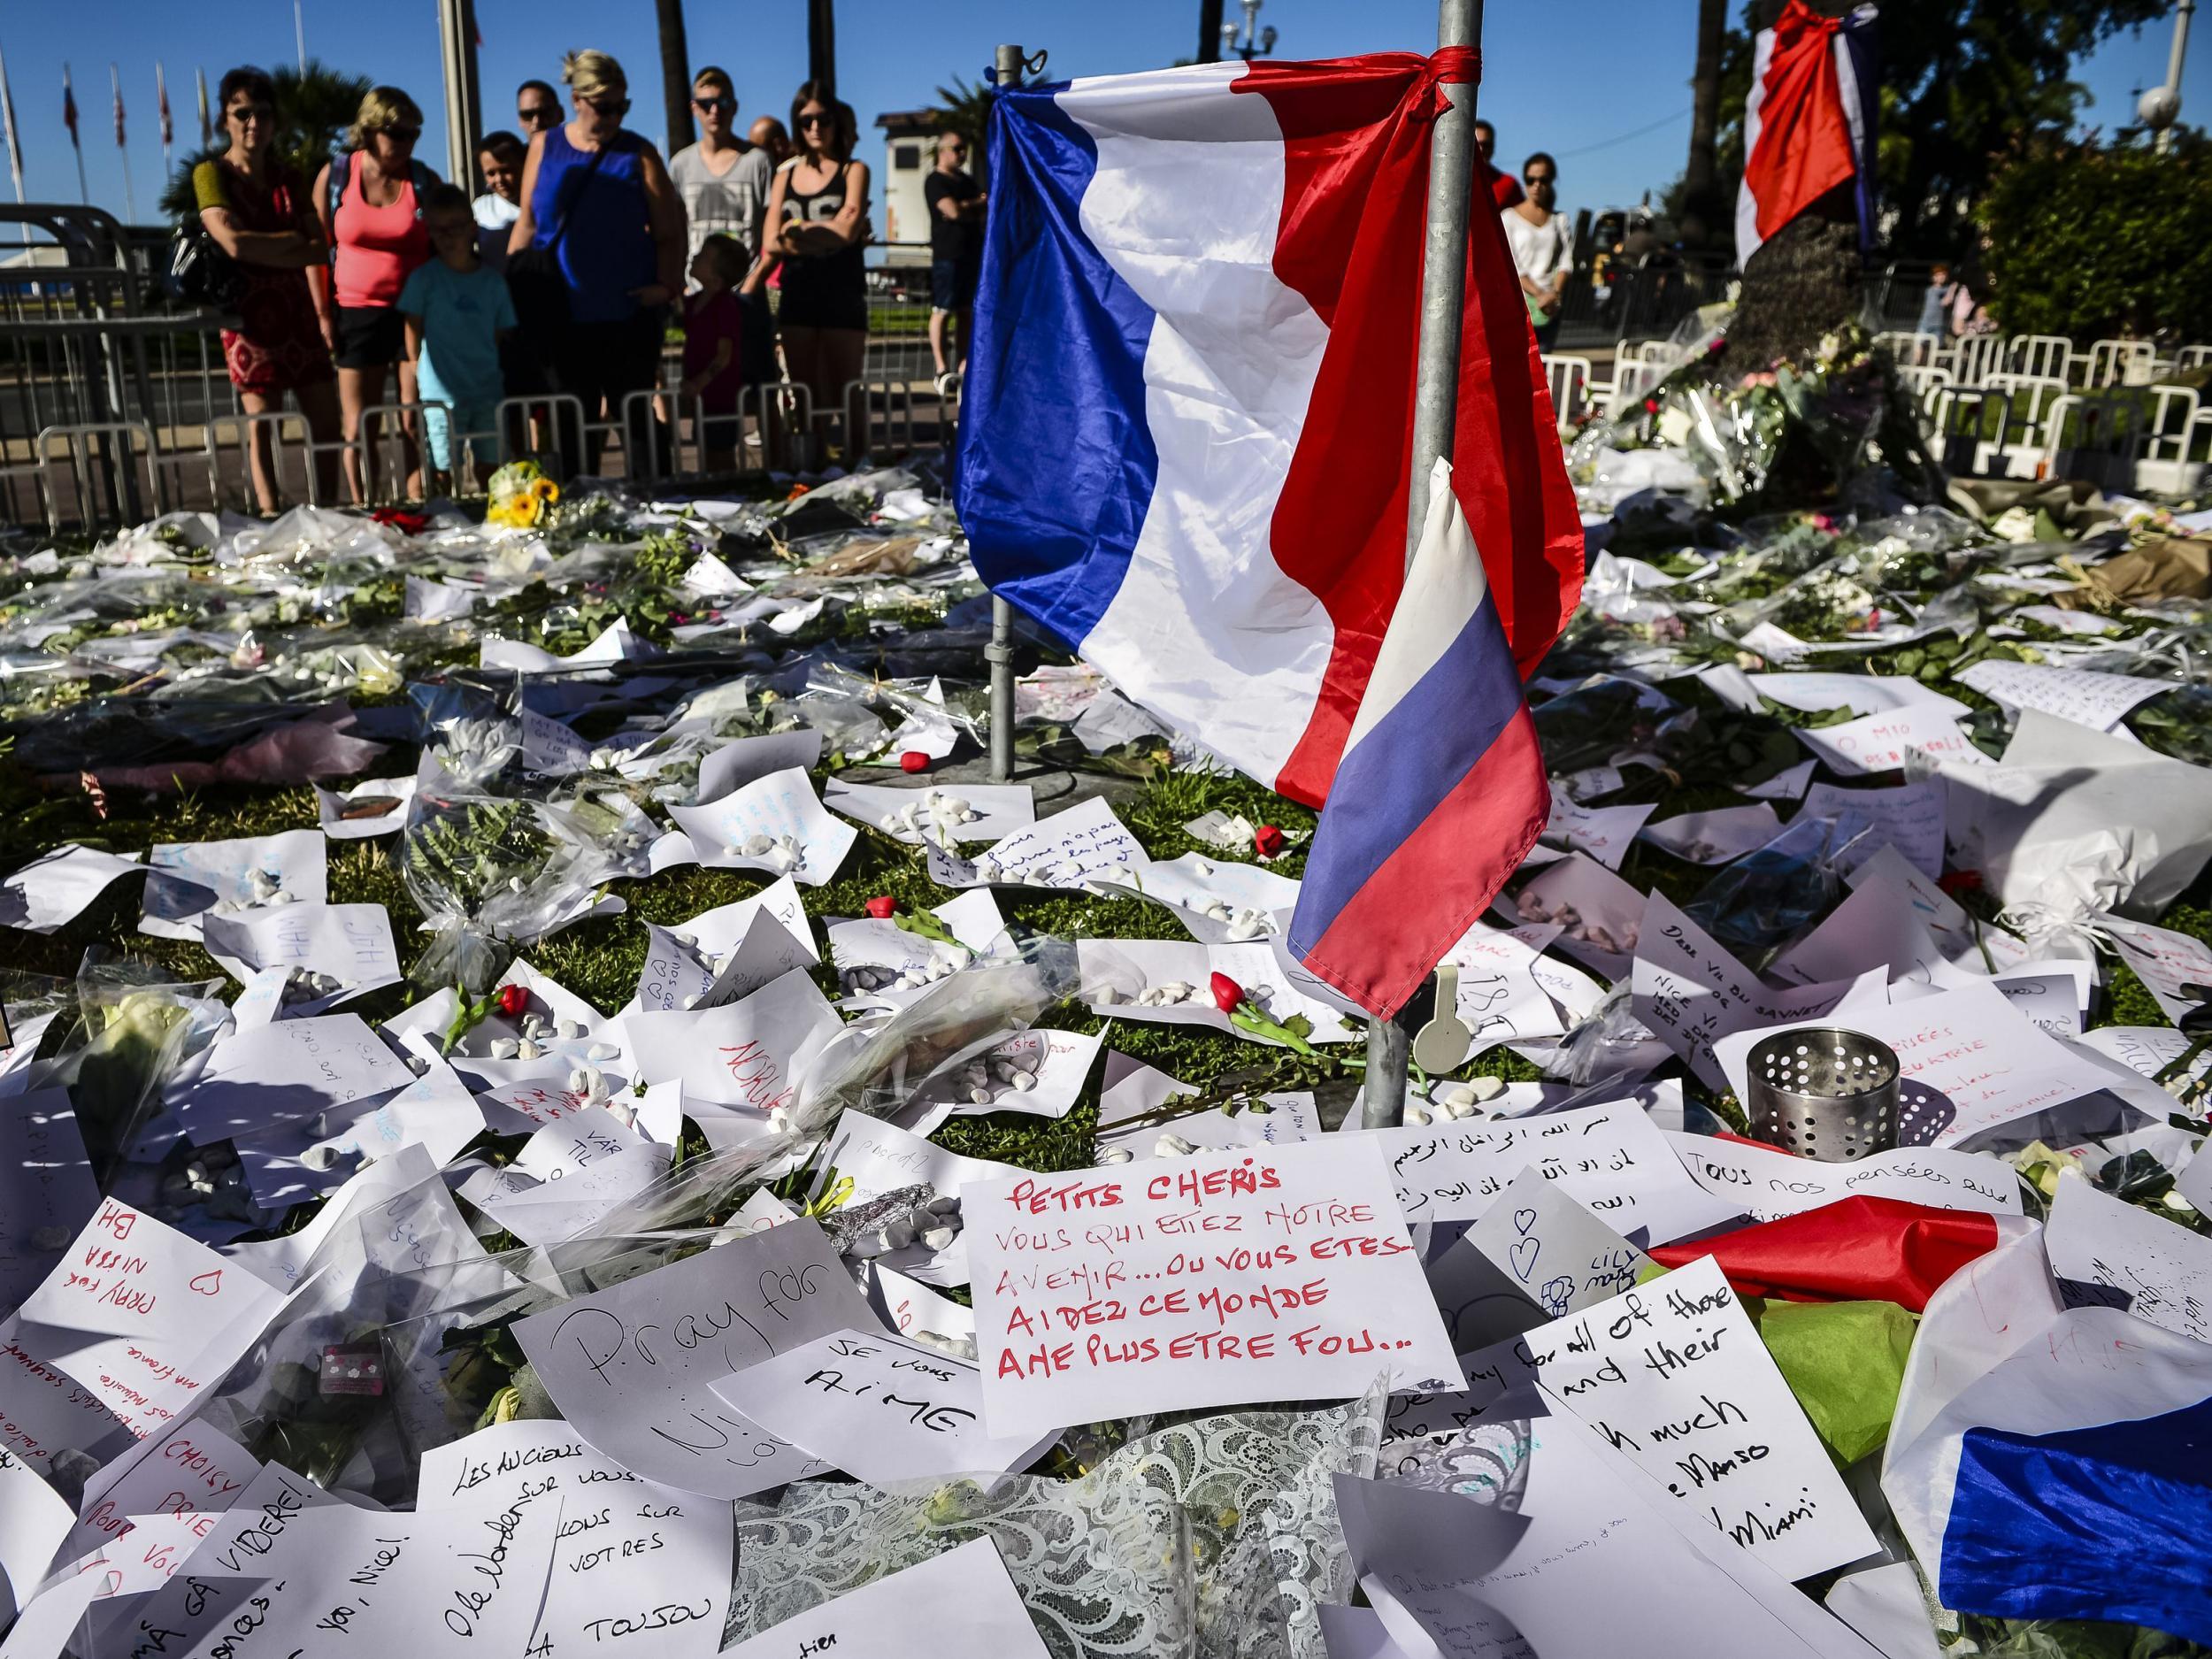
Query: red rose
[913, 760]
[1651, 405]
[406, 523]
[1228, 995]
[513, 999]
[1268, 839]
[1957, 881]
[882, 906]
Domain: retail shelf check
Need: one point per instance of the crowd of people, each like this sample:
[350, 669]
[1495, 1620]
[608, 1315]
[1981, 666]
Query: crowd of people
[378, 281]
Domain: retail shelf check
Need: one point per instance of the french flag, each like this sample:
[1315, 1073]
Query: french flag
[1808, 121]
[2054, 1463]
[1185, 452]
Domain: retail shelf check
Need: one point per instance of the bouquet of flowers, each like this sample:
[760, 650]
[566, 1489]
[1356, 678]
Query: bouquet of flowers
[520, 495]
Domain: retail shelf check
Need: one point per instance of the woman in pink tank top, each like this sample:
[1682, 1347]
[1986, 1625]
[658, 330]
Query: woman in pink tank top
[368, 201]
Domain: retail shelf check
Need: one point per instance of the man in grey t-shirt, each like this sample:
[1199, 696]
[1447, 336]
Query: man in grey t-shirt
[723, 179]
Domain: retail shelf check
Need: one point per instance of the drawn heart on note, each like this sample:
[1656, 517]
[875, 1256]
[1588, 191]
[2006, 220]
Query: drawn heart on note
[209, 1283]
[1524, 1254]
[1523, 1221]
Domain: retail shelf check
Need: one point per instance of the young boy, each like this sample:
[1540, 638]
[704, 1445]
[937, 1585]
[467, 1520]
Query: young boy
[458, 311]
[501, 156]
[714, 338]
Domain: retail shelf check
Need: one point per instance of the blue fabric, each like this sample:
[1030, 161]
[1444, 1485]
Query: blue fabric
[608, 248]
[462, 313]
[2100, 1523]
[1057, 463]
[1389, 783]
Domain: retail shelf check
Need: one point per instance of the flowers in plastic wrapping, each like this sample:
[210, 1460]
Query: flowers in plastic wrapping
[520, 495]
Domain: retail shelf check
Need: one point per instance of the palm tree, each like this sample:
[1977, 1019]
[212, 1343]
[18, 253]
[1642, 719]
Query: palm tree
[675, 73]
[1699, 191]
[313, 106]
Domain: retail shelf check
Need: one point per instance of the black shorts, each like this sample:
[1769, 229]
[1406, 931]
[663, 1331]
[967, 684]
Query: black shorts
[816, 305]
[370, 337]
[952, 284]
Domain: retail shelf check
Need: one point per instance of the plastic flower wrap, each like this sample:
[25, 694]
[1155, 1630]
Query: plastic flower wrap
[520, 495]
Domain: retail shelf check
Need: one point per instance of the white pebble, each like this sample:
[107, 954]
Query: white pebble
[1487, 1087]
[1417, 1116]
[1115, 1154]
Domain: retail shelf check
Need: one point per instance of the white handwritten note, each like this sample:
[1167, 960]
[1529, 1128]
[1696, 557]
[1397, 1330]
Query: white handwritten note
[774, 813]
[736, 763]
[879, 1407]
[33, 1521]
[1768, 1183]
[1673, 1375]
[965, 1589]
[1610, 1157]
[352, 943]
[1862, 694]
[2114, 1254]
[1986, 1062]
[56, 887]
[1909, 818]
[187, 879]
[2095, 700]
[2165, 961]
[1717, 836]
[637, 1567]
[1555, 1252]
[1225, 1278]
[1000, 809]
[1087, 843]
[630, 1366]
[191, 1468]
[1602, 832]
[1881, 743]
[749, 1054]
[290, 1070]
[1689, 989]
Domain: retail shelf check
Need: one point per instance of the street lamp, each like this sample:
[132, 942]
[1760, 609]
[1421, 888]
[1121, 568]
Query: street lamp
[1256, 41]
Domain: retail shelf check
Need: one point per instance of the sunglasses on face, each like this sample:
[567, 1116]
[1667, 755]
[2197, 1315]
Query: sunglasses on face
[538, 114]
[402, 135]
[819, 118]
[726, 105]
[247, 114]
[608, 105]
[1538, 178]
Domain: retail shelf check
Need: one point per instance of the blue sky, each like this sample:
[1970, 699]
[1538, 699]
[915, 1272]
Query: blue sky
[1603, 84]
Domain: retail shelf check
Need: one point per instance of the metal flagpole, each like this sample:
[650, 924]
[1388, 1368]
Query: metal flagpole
[130, 200]
[299, 37]
[456, 36]
[15, 145]
[69, 114]
[1000, 652]
[161, 110]
[1435, 406]
[207, 126]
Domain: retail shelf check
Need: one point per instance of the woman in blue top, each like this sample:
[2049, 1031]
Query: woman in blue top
[600, 197]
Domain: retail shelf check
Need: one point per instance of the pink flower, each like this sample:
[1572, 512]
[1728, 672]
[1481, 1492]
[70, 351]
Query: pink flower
[882, 906]
[1268, 840]
[1228, 995]
[913, 760]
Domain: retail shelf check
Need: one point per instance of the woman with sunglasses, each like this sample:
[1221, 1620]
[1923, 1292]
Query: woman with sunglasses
[257, 210]
[370, 203]
[820, 208]
[598, 198]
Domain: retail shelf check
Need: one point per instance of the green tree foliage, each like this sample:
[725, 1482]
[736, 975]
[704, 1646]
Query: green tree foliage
[313, 109]
[1963, 82]
[2092, 242]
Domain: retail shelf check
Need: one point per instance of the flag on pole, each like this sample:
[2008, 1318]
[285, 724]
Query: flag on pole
[1179, 265]
[1808, 123]
[207, 126]
[115, 80]
[69, 108]
[161, 96]
[15, 144]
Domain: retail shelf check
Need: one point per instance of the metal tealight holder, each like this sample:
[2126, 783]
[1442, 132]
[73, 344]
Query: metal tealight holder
[1824, 1093]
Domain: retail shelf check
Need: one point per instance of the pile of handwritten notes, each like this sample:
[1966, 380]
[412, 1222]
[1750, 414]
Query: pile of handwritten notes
[655, 1154]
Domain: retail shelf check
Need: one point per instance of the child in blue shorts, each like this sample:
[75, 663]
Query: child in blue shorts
[458, 311]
